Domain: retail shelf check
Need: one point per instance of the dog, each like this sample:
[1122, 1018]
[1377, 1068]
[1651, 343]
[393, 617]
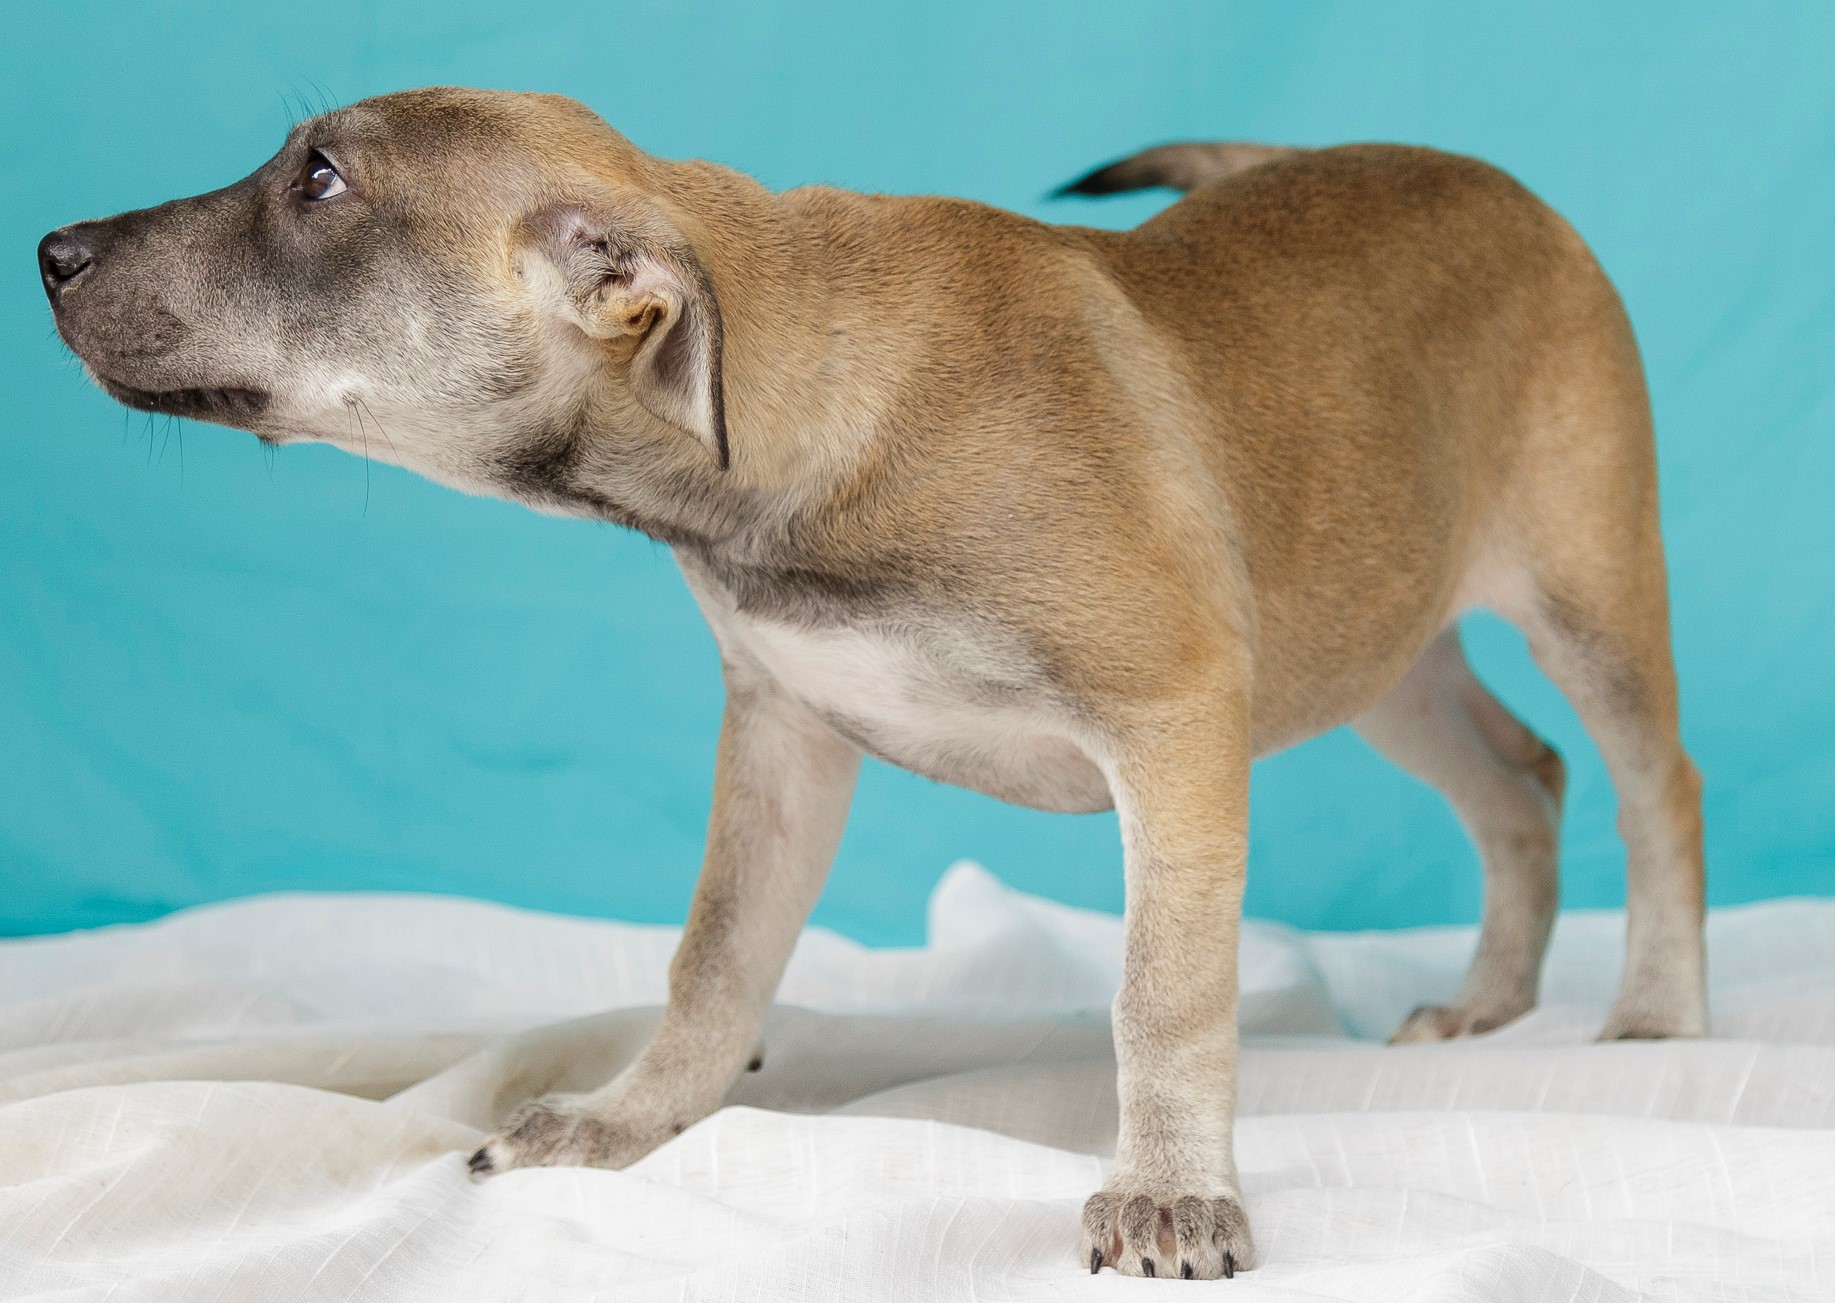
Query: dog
[1077, 518]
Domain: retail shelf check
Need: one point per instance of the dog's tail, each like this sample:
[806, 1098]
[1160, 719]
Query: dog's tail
[1183, 166]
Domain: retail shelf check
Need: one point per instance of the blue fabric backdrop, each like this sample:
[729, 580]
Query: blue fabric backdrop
[223, 672]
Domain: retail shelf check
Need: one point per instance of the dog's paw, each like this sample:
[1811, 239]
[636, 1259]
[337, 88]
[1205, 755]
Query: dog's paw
[562, 1131]
[1445, 1022]
[1682, 1017]
[1182, 1236]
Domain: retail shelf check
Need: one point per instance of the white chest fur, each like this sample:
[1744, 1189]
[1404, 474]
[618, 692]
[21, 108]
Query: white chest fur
[942, 703]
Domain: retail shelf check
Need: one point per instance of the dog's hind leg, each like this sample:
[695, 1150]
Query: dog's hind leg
[1601, 632]
[1595, 607]
[1441, 725]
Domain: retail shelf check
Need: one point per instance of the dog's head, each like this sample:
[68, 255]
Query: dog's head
[459, 281]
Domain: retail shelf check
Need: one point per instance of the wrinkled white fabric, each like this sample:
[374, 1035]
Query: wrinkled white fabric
[274, 1100]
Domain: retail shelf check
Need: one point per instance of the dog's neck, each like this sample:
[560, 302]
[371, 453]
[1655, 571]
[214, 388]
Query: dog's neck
[800, 428]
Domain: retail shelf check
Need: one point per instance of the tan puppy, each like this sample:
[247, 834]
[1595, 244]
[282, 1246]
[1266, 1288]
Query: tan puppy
[1072, 517]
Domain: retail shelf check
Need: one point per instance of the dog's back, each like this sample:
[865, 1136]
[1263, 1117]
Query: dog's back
[1364, 376]
[1390, 346]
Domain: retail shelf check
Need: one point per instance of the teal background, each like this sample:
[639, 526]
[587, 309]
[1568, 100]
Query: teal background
[224, 672]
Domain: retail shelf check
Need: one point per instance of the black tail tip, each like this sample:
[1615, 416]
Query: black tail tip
[1107, 180]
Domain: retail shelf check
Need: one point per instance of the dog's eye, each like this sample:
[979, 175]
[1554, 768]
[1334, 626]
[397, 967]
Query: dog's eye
[318, 179]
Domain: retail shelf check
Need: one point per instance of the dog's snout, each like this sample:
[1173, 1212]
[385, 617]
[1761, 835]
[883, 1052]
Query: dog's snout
[63, 255]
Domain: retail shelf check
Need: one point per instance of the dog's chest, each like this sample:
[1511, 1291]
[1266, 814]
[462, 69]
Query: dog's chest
[939, 702]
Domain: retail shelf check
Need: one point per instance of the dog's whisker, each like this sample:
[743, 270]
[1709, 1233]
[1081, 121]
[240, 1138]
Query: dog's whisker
[327, 101]
[363, 429]
[383, 430]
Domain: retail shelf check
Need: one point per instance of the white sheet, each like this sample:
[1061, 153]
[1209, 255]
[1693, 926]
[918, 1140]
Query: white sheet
[274, 1100]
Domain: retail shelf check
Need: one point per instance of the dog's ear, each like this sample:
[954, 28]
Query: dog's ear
[630, 275]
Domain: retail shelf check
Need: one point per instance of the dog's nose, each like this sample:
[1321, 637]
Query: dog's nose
[62, 257]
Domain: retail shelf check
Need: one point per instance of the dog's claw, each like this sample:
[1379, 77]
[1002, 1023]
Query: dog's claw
[1095, 1261]
[1185, 1271]
[1146, 1266]
[1229, 1267]
[480, 1162]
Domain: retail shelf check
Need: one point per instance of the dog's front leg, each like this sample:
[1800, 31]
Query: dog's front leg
[1172, 1205]
[781, 790]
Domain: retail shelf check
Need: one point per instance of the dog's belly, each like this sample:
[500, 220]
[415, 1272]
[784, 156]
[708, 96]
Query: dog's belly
[969, 721]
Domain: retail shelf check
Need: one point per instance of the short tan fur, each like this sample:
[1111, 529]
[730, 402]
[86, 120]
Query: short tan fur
[1071, 516]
